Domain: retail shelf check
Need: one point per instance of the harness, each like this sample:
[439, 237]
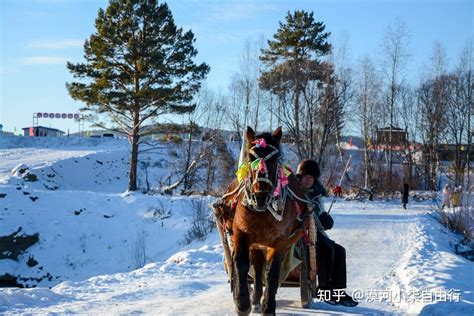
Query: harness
[275, 199]
[251, 173]
[259, 163]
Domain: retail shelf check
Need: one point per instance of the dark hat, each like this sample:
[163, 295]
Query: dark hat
[309, 167]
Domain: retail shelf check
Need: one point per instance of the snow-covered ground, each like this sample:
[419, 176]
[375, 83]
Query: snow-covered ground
[42, 152]
[93, 236]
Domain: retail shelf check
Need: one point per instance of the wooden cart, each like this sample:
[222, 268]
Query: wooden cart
[300, 273]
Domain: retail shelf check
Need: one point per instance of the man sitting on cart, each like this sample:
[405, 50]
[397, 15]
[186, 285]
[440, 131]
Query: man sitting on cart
[331, 257]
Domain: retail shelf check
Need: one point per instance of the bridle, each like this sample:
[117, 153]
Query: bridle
[260, 173]
[276, 198]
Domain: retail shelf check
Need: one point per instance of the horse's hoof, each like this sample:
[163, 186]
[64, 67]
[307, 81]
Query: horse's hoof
[269, 308]
[257, 308]
[243, 313]
[243, 307]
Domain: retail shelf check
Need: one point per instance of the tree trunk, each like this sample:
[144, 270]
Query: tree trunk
[390, 140]
[367, 181]
[257, 108]
[187, 184]
[469, 127]
[132, 178]
[434, 169]
[297, 121]
[135, 137]
[209, 176]
[322, 146]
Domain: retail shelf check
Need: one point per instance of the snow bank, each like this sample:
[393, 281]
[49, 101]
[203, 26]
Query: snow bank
[84, 233]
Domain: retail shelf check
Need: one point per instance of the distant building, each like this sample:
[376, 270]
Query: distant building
[447, 152]
[41, 131]
[399, 138]
[98, 134]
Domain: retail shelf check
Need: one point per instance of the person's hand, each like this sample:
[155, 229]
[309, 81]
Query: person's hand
[326, 220]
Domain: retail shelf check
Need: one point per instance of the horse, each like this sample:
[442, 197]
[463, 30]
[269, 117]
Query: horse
[259, 236]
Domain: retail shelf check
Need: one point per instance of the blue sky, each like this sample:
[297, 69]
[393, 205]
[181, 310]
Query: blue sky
[39, 36]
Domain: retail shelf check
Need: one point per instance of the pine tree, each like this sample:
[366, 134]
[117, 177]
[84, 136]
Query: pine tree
[293, 58]
[138, 65]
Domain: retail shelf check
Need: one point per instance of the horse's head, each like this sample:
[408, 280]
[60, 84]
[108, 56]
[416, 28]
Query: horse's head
[264, 155]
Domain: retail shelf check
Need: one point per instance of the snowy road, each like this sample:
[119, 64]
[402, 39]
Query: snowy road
[386, 251]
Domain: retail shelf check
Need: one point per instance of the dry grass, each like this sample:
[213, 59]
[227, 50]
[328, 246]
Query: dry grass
[202, 222]
[461, 221]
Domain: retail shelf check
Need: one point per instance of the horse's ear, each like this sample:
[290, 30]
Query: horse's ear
[250, 135]
[277, 134]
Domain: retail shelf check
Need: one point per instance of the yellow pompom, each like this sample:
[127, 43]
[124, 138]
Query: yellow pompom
[242, 171]
[286, 170]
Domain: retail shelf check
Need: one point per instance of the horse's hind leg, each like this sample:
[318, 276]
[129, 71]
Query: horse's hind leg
[241, 270]
[273, 276]
[258, 262]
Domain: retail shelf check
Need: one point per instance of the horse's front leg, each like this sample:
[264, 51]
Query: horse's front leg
[241, 270]
[258, 263]
[273, 278]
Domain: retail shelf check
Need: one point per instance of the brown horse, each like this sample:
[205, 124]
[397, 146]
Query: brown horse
[259, 237]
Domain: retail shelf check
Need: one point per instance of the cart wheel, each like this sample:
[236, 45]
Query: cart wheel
[305, 283]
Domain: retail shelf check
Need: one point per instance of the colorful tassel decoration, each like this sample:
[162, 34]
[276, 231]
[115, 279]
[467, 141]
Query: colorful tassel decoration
[260, 143]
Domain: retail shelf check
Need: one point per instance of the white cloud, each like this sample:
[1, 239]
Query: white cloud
[56, 44]
[44, 60]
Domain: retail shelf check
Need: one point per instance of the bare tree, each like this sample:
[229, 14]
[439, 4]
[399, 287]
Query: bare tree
[395, 56]
[465, 72]
[259, 93]
[368, 101]
[344, 88]
[235, 113]
[214, 108]
[439, 60]
[315, 114]
[190, 147]
[432, 104]
[330, 117]
[432, 96]
[458, 112]
[209, 113]
[457, 121]
[409, 120]
[246, 96]
[248, 79]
